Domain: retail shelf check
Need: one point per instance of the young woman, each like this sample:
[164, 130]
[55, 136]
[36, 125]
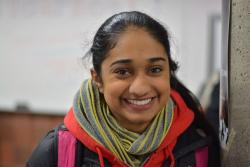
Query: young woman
[133, 111]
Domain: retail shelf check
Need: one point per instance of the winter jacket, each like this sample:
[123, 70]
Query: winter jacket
[183, 146]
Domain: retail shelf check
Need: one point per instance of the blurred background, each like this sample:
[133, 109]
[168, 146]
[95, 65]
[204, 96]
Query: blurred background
[41, 45]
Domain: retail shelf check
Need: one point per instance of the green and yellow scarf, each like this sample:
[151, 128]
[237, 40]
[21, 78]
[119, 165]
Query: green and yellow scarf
[93, 115]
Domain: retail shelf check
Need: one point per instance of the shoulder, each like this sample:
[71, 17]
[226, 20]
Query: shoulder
[192, 139]
[200, 146]
[45, 154]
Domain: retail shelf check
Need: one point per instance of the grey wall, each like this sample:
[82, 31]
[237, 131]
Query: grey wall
[238, 149]
[42, 42]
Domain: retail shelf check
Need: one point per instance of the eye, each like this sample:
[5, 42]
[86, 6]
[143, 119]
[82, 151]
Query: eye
[122, 72]
[155, 70]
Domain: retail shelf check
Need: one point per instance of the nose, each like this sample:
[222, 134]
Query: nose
[140, 86]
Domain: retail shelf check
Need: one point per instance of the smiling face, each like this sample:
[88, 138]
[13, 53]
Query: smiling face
[135, 79]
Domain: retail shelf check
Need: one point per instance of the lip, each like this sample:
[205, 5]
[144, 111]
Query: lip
[139, 108]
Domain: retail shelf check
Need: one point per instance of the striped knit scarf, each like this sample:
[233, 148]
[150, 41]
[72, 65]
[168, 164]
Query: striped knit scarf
[93, 115]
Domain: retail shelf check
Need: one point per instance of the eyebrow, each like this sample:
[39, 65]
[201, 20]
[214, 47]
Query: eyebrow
[128, 61]
[122, 61]
[155, 59]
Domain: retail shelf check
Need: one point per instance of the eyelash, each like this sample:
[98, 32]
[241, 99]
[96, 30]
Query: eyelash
[121, 72]
[152, 70]
[124, 72]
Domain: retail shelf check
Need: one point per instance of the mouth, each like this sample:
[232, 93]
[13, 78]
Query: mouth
[140, 104]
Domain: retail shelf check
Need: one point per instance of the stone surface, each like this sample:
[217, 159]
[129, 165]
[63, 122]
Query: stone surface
[238, 153]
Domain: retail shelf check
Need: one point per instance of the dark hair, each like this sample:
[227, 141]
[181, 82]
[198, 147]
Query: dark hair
[107, 36]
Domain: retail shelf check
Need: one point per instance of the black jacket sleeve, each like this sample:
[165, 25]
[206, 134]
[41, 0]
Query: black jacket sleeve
[45, 154]
[214, 154]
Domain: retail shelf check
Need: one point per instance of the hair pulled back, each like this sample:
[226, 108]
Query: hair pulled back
[108, 35]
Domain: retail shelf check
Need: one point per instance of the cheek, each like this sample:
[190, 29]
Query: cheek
[163, 86]
[113, 91]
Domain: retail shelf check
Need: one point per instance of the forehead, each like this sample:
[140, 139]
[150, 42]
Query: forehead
[136, 43]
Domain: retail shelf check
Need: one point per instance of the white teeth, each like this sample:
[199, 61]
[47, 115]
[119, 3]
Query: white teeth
[140, 102]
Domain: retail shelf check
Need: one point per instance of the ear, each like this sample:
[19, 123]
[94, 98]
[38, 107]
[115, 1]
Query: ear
[97, 79]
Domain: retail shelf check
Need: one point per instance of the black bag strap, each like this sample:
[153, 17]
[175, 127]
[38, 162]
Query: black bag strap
[192, 147]
[79, 152]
